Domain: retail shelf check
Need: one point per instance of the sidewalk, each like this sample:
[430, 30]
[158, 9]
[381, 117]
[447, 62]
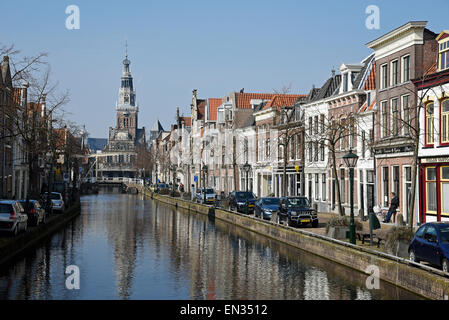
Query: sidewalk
[324, 217]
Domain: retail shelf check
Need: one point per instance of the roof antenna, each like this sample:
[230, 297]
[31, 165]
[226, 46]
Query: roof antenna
[126, 47]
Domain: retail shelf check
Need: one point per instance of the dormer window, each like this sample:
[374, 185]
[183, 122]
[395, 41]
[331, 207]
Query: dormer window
[443, 46]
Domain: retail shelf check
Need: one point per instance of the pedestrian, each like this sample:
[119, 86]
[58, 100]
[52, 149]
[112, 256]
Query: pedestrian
[394, 204]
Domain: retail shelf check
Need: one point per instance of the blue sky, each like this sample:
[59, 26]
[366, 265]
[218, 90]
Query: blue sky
[213, 46]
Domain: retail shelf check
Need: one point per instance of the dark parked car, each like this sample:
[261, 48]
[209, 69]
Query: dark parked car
[237, 201]
[36, 214]
[431, 244]
[296, 211]
[266, 207]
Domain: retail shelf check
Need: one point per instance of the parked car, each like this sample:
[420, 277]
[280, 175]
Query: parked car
[431, 244]
[237, 201]
[210, 196]
[162, 186]
[152, 187]
[296, 211]
[266, 207]
[36, 214]
[12, 217]
[57, 202]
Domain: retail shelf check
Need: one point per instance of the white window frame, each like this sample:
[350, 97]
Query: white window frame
[403, 68]
[391, 73]
[382, 85]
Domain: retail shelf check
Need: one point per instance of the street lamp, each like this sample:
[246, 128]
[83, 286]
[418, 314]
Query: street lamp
[246, 168]
[351, 161]
[204, 181]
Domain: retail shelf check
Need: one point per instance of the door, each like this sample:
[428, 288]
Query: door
[362, 198]
[430, 246]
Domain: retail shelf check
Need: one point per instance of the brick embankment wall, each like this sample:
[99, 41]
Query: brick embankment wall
[10, 247]
[419, 279]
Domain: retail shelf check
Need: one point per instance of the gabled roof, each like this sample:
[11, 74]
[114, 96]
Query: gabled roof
[370, 83]
[443, 35]
[281, 100]
[157, 127]
[365, 106]
[6, 71]
[214, 103]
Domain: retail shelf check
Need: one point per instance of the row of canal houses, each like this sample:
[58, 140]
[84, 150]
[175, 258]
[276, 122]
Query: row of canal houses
[391, 109]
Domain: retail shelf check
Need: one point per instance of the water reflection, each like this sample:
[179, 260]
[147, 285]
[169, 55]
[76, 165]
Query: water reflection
[132, 248]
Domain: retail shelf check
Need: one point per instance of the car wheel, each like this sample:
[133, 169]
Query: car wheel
[412, 256]
[445, 265]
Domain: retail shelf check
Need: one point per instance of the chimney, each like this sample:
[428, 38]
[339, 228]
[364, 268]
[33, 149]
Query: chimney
[242, 90]
[24, 94]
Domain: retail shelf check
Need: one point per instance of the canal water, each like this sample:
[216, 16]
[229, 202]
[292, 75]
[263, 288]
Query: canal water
[128, 247]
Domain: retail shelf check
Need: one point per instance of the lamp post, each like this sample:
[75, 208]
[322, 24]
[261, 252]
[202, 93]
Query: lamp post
[204, 181]
[246, 168]
[351, 161]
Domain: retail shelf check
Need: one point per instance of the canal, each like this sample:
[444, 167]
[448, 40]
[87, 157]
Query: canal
[128, 247]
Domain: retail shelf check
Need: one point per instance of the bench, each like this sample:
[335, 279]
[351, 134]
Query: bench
[364, 235]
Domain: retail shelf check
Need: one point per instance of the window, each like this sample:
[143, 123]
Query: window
[298, 146]
[351, 133]
[322, 151]
[315, 157]
[444, 130]
[343, 137]
[444, 177]
[323, 186]
[385, 185]
[322, 123]
[394, 73]
[396, 180]
[431, 190]
[310, 152]
[406, 113]
[368, 99]
[384, 119]
[267, 148]
[342, 185]
[444, 56]
[316, 125]
[383, 76]
[317, 190]
[371, 142]
[406, 69]
[363, 144]
[429, 124]
[396, 118]
[310, 126]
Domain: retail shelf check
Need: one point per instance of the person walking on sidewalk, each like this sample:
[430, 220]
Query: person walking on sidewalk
[394, 204]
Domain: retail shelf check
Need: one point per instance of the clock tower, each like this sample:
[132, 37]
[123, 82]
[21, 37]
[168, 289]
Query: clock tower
[126, 107]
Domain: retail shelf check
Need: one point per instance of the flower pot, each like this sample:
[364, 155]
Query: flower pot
[338, 232]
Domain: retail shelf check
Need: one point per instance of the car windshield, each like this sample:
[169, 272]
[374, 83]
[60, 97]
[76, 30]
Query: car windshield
[242, 195]
[5, 208]
[444, 234]
[55, 196]
[271, 201]
[208, 191]
[298, 202]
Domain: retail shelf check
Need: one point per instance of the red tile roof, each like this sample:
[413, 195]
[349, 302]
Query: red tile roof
[214, 103]
[187, 121]
[365, 108]
[282, 100]
[243, 100]
[370, 83]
